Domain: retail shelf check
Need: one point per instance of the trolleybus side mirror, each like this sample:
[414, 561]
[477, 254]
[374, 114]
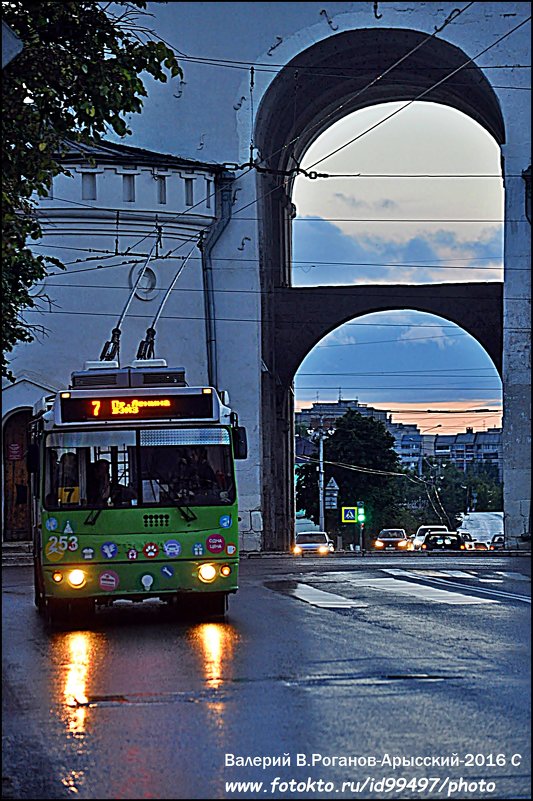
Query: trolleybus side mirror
[240, 443]
[32, 458]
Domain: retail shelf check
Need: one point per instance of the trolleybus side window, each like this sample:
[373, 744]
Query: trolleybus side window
[90, 469]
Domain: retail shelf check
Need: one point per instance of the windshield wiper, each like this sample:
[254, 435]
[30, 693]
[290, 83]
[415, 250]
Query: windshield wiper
[92, 517]
[185, 511]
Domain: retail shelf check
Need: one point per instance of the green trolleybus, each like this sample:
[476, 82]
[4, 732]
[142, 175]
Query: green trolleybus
[134, 493]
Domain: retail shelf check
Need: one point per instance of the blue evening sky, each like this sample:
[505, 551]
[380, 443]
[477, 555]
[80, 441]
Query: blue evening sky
[394, 227]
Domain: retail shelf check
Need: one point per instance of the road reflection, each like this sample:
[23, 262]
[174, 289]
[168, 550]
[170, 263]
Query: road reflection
[215, 643]
[80, 651]
[78, 644]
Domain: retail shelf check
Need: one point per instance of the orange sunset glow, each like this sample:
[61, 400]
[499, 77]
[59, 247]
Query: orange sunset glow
[451, 417]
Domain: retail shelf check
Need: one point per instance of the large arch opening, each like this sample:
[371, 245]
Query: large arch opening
[438, 394]
[413, 195]
[329, 80]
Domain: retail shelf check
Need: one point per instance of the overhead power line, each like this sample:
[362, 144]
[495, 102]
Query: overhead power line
[421, 94]
[250, 166]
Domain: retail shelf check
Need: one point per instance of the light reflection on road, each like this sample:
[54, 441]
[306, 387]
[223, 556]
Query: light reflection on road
[76, 699]
[80, 650]
[215, 643]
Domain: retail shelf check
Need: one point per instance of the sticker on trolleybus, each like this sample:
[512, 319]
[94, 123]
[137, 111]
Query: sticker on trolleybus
[108, 580]
[172, 548]
[215, 543]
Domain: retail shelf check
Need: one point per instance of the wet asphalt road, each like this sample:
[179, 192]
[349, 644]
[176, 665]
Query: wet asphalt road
[349, 657]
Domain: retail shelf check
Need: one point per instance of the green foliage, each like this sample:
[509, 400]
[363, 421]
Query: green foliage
[365, 443]
[77, 75]
[483, 484]
[451, 491]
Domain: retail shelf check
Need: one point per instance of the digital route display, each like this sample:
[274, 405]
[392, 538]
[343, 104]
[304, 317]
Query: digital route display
[122, 408]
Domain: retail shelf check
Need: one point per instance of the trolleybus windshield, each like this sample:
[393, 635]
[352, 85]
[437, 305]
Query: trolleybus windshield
[152, 467]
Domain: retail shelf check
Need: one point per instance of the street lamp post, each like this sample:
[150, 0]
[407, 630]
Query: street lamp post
[321, 513]
[320, 434]
[466, 496]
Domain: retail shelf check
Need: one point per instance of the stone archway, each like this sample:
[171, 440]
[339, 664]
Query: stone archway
[321, 85]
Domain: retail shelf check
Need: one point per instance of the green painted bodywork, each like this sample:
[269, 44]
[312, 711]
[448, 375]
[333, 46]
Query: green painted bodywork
[132, 530]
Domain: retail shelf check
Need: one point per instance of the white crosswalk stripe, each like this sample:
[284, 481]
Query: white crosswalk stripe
[513, 575]
[326, 600]
[404, 582]
[423, 592]
[442, 580]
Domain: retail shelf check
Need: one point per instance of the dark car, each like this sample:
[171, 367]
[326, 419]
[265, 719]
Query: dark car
[497, 542]
[443, 541]
[392, 539]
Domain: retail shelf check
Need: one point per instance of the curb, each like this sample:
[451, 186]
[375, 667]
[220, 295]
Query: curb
[19, 554]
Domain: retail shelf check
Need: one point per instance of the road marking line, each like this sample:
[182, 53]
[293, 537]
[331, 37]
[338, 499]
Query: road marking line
[424, 592]
[513, 575]
[512, 596]
[325, 600]
[432, 573]
[458, 574]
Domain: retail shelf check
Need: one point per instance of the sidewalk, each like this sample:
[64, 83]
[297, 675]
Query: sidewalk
[17, 553]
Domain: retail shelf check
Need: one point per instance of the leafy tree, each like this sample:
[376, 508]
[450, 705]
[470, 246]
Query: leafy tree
[452, 490]
[300, 430]
[77, 75]
[365, 443]
[483, 483]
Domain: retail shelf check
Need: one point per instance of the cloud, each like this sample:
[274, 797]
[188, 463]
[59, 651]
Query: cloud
[354, 203]
[351, 201]
[324, 255]
[441, 336]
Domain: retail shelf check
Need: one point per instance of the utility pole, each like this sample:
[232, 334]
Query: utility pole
[321, 514]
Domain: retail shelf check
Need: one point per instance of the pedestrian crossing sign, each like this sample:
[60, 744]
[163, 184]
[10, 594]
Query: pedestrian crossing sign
[349, 514]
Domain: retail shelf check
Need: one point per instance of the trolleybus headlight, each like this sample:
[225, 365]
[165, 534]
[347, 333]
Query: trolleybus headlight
[225, 570]
[57, 576]
[207, 573]
[76, 578]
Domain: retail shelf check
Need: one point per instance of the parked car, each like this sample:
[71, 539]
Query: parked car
[418, 538]
[497, 542]
[392, 539]
[313, 542]
[443, 541]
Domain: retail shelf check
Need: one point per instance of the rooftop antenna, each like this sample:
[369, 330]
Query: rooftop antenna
[111, 348]
[146, 349]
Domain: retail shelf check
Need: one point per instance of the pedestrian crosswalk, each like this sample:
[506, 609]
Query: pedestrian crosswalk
[452, 587]
[327, 600]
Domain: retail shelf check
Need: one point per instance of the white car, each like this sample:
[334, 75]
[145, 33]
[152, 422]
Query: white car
[313, 542]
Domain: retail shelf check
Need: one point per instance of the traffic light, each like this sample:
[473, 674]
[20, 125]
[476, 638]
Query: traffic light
[361, 517]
